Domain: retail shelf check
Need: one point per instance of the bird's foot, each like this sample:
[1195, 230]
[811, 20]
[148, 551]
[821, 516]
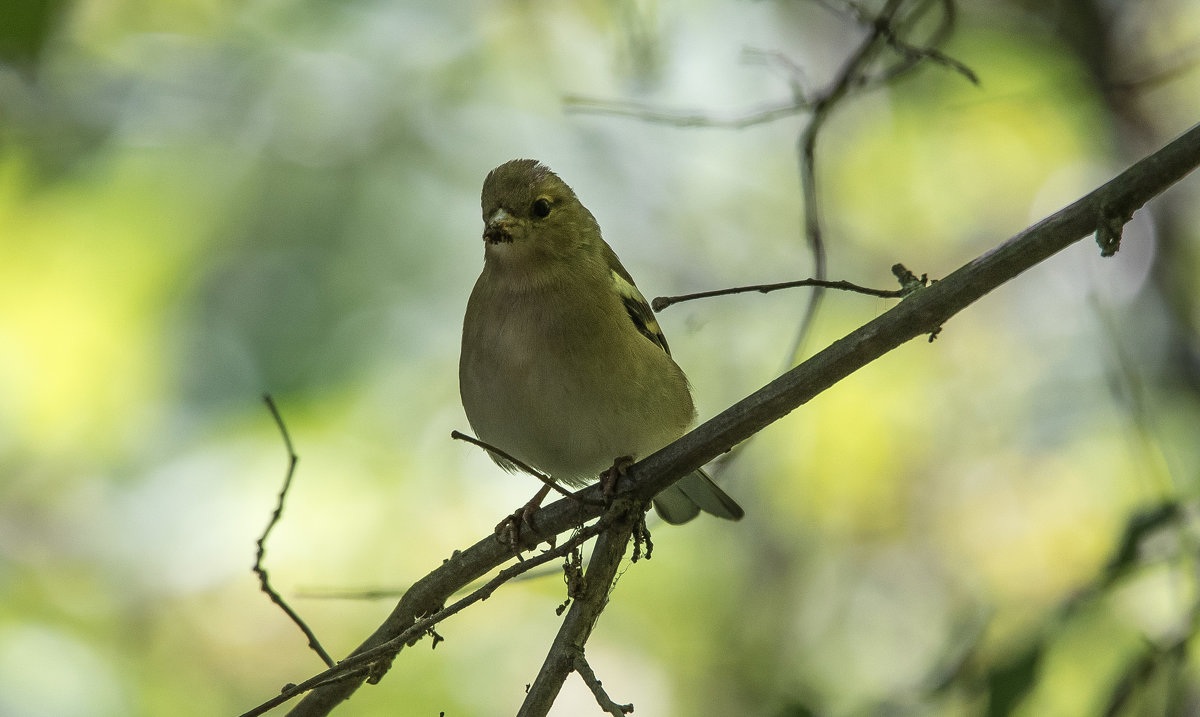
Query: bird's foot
[520, 529]
[611, 477]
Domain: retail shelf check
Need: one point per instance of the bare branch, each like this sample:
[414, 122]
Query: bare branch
[682, 118]
[585, 611]
[934, 55]
[606, 703]
[922, 312]
[370, 663]
[855, 75]
[264, 581]
[662, 302]
[912, 54]
[852, 75]
[547, 480]
[1182, 63]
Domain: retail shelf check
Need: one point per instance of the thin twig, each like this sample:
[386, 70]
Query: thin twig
[263, 581]
[360, 663]
[347, 594]
[796, 75]
[934, 55]
[852, 75]
[682, 118]
[919, 314]
[589, 678]
[1125, 559]
[515, 461]
[581, 536]
[1181, 64]
[662, 302]
[912, 54]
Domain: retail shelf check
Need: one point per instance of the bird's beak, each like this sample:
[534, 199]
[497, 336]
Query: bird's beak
[496, 231]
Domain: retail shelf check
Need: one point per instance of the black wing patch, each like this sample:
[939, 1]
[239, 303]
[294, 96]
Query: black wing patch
[643, 318]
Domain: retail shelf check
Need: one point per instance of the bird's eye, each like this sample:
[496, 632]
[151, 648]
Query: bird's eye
[541, 207]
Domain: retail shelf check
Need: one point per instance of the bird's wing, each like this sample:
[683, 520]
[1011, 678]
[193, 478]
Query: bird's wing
[636, 305]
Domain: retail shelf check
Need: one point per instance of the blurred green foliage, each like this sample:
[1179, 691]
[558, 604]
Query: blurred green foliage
[202, 201]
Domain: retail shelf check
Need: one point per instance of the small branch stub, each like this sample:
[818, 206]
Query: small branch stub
[1109, 231]
[377, 669]
[573, 577]
[584, 670]
[909, 282]
[641, 536]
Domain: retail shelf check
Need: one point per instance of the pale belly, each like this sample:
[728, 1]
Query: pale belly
[571, 413]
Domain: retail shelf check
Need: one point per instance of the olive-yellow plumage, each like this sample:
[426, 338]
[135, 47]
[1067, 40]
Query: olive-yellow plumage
[563, 364]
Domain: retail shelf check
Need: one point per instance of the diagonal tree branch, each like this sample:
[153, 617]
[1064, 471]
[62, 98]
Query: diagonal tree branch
[577, 626]
[1102, 212]
[923, 312]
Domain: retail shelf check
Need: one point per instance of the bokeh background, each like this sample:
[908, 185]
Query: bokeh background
[202, 201]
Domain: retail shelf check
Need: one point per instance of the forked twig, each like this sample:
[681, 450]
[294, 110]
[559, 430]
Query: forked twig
[375, 660]
[263, 581]
[919, 314]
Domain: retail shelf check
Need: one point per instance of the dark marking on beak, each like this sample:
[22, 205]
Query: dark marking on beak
[497, 234]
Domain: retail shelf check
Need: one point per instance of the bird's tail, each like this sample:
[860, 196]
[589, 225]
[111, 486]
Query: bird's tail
[690, 495]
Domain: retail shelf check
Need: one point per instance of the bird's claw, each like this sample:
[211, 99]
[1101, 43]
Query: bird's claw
[611, 477]
[520, 529]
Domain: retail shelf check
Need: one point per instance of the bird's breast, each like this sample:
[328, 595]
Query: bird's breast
[568, 389]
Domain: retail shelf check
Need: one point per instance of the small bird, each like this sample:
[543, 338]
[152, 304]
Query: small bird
[563, 365]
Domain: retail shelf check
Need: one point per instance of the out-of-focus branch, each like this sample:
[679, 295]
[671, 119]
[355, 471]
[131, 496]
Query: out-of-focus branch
[867, 67]
[853, 75]
[863, 69]
[922, 312]
[677, 118]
